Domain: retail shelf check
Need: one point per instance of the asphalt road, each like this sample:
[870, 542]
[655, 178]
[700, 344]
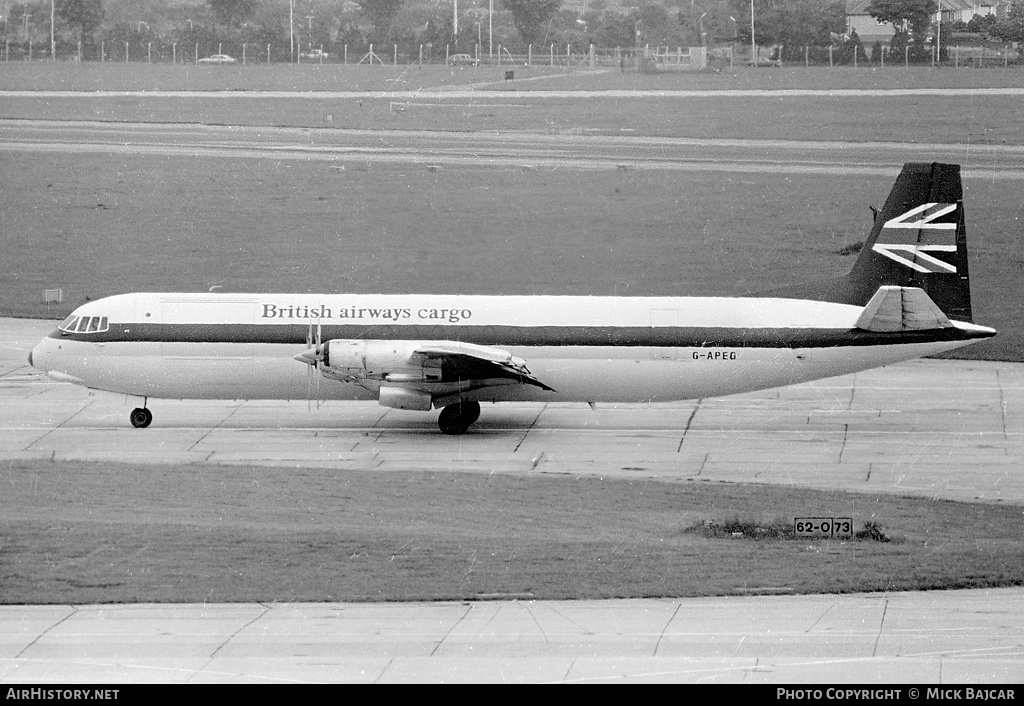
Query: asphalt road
[522, 149]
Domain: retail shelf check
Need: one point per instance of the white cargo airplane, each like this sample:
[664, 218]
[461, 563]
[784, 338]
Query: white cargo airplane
[906, 296]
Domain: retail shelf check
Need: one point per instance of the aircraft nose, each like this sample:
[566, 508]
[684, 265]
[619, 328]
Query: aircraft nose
[37, 356]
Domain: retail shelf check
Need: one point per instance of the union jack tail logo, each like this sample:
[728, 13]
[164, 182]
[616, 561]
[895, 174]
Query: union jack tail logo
[925, 216]
[917, 257]
[935, 217]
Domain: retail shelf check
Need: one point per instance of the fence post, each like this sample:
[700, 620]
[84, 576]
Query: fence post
[125, 52]
[197, 53]
[906, 57]
[396, 55]
[103, 50]
[79, 52]
[807, 57]
[268, 54]
[346, 55]
[552, 55]
[830, 56]
[529, 54]
[149, 52]
[855, 53]
[421, 55]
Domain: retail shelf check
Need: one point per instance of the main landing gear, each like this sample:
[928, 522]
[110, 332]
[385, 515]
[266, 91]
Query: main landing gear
[140, 417]
[457, 418]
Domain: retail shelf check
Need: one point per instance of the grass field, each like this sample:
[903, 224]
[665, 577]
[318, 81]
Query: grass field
[90, 533]
[968, 119]
[112, 224]
[91, 76]
[98, 225]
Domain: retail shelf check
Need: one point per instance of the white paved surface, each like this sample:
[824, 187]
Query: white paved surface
[942, 429]
[876, 638]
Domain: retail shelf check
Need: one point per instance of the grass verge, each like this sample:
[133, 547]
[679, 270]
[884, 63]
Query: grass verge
[97, 533]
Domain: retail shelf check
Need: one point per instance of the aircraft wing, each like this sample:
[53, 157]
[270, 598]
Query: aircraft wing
[470, 362]
[435, 368]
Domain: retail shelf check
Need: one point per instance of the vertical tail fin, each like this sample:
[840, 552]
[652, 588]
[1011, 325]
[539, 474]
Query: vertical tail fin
[918, 240]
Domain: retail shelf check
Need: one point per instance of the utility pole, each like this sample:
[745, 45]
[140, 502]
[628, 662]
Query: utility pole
[753, 45]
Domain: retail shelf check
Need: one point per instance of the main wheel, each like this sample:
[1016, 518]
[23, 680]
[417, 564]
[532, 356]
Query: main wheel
[457, 418]
[140, 417]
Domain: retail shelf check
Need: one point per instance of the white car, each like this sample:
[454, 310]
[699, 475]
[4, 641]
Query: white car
[456, 59]
[218, 59]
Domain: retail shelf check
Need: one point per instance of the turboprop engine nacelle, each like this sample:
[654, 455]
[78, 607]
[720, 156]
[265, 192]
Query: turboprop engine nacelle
[387, 361]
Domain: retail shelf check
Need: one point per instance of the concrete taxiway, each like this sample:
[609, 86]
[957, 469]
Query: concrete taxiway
[943, 637]
[938, 428]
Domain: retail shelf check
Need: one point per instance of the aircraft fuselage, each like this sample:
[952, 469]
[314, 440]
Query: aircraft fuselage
[591, 349]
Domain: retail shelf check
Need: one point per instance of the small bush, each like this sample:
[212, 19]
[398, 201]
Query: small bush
[872, 531]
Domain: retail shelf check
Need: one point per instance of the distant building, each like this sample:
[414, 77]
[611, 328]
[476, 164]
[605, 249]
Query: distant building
[871, 30]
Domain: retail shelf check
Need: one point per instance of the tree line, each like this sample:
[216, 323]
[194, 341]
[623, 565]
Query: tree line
[514, 25]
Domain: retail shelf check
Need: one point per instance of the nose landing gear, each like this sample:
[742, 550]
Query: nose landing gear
[457, 418]
[140, 417]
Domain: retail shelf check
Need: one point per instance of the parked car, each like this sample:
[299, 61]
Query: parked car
[218, 59]
[315, 54]
[456, 59]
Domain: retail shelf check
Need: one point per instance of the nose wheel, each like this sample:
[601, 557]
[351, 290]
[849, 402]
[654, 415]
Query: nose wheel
[140, 417]
[457, 418]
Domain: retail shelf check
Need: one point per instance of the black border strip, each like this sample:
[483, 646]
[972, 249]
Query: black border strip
[509, 336]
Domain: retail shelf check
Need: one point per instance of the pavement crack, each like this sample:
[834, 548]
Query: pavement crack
[213, 655]
[661, 636]
[881, 625]
[74, 611]
[214, 428]
[530, 428]
[687, 427]
[59, 426]
[457, 623]
[821, 617]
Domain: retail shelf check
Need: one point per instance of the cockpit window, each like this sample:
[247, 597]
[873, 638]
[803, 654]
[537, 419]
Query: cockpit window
[84, 324]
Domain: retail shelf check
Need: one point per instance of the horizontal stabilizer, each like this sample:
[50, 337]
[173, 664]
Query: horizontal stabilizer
[901, 309]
